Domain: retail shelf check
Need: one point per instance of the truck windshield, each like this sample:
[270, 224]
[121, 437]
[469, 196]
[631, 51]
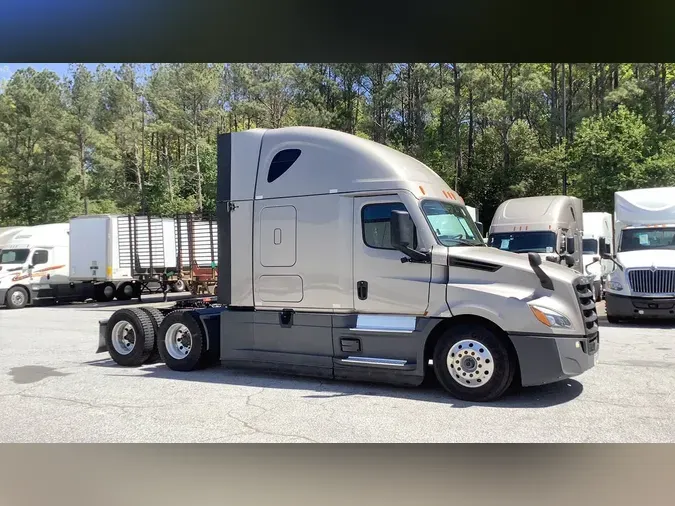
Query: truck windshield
[522, 242]
[451, 223]
[590, 247]
[636, 239]
[14, 256]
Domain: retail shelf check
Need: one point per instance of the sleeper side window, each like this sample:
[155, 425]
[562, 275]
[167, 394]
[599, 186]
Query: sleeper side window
[375, 223]
[281, 162]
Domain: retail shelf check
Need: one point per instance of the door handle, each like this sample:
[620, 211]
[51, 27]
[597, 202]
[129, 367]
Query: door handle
[362, 290]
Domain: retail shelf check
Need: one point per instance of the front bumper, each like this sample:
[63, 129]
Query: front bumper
[622, 306]
[547, 359]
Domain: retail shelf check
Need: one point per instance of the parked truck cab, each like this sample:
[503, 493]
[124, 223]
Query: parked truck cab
[550, 226]
[597, 244]
[342, 258]
[31, 260]
[642, 283]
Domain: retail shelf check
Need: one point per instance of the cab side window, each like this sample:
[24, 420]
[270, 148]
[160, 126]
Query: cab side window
[41, 256]
[375, 224]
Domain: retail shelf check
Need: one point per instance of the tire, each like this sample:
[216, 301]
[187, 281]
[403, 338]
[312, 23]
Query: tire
[170, 341]
[125, 292]
[178, 286]
[490, 359]
[613, 319]
[156, 317]
[104, 292]
[143, 333]
[17, 297]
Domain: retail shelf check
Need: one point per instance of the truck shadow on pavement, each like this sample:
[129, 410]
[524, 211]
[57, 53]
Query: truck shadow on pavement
[430, 391]
[637, 324]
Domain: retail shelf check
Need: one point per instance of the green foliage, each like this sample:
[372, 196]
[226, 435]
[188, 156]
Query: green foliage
[142, 138]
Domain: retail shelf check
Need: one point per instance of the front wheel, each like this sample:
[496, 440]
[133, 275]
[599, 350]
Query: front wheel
[473, 363]
[17, 298]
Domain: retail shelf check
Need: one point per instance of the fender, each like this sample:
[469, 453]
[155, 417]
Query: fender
[478, 310]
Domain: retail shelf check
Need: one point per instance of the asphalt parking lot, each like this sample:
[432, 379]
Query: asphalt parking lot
[55, 388]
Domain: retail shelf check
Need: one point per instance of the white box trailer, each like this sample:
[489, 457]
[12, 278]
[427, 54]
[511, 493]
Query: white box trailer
[643, 283]
[123, 253]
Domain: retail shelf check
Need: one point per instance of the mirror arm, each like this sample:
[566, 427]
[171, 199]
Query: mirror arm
[414, 256]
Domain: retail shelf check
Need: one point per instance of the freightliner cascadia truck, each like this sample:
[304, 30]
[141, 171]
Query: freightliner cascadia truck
[549, 225]
[345, 259]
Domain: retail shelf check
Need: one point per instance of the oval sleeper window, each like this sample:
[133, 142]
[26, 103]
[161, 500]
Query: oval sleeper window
[281, 162]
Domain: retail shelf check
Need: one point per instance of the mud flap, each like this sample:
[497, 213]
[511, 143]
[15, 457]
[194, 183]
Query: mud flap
[102, 326]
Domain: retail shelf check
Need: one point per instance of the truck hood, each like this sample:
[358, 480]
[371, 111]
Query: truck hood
[647, 258]
[514, 260]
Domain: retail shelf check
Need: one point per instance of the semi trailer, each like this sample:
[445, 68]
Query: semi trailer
[342, 258]
[106, 257]
[642, 282]
[550, 226]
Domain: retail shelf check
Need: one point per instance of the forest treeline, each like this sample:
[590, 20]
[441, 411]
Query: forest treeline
[142, 138]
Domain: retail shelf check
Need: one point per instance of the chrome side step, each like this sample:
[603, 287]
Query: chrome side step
[386, 362]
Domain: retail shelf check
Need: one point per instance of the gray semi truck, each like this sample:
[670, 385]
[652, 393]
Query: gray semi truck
[342, 258]
[549, 225]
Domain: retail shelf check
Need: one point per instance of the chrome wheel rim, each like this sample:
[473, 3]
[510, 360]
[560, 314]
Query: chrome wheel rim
[123, 337]
[18, 298]
[470, 363]
[178, 341]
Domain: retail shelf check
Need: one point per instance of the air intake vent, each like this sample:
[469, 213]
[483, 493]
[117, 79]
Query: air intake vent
[589, 312]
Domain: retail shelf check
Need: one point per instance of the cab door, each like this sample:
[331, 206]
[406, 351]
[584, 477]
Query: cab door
[40, 273]
[382, 283]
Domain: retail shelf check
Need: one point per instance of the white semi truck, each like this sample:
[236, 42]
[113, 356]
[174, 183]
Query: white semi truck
[550, 226]
[34, 265]
[597, 241]
[642, 284]
[342, 258]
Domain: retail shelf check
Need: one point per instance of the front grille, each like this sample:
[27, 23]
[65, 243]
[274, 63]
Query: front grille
[652, 282]
[584, 291]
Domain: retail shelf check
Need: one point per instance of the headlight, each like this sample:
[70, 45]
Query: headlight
[614, 285]
[551, 318]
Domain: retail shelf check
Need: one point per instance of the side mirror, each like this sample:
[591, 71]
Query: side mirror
[570, 246]
[403, 236]
[402, 230]
[569, 260]
[479, 226]
[602, 245]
